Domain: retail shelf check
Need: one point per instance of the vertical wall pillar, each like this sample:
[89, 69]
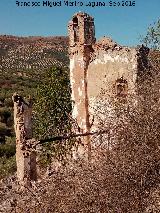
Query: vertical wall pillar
[81, 38]
[25, 156]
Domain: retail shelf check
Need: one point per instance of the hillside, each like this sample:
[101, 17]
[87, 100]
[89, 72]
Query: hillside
[23, 65]
[21, 53]
[23, 61]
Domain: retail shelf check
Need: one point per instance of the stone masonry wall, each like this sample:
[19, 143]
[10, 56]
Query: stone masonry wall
[99, 66]
[25, 150]
[81, 33]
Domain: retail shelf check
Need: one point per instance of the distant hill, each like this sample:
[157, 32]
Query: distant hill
[34, 52]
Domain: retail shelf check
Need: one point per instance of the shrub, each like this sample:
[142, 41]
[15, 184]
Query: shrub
[4, 114]
[7, 166]
[7, 150]
[53, 104]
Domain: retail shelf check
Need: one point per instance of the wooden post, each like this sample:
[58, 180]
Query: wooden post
[25, 154]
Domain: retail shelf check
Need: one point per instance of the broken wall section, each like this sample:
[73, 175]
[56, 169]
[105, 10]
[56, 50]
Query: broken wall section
[113, 76]
[81, 38]
[25, 145]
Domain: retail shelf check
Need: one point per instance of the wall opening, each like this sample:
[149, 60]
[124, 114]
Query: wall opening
[121, 87]
[76, 29]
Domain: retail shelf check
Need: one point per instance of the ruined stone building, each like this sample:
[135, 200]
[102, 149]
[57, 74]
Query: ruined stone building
[97, 69]
[97, 66]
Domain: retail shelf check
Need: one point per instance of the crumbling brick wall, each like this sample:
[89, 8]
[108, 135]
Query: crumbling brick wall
[99, 66]
[82, 37]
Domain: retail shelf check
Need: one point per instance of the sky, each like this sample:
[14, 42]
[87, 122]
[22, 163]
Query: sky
[124, 25]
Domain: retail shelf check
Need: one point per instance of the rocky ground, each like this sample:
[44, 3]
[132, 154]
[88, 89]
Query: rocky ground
[69, 191]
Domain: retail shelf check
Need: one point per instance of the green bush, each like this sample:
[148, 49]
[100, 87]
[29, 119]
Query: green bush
[8, 102]
[4, 114]
[7, 166]
[4, 131]
[7, 150]
[53, 104]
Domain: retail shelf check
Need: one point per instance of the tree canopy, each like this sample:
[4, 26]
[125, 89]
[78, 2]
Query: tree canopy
[53, 104]
[152, 37]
